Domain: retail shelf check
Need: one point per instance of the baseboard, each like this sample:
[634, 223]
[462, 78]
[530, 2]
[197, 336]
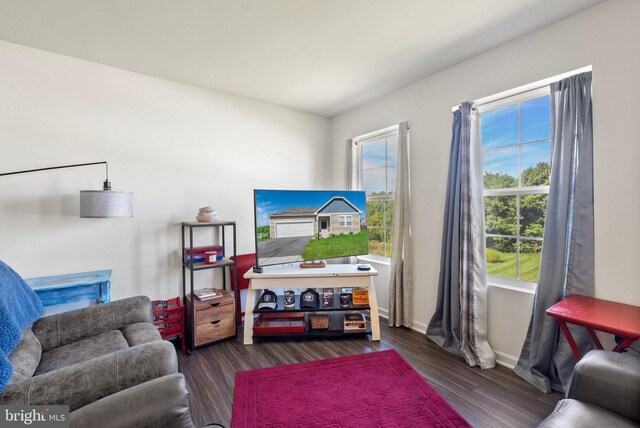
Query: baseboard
[415, 325]
[506, 360]
[502, 358]
[419, 327]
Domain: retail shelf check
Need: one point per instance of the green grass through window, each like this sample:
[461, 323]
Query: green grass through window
[506, 266]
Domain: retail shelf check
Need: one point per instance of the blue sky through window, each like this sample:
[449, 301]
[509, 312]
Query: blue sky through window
[504, 161]
[536, 119]
[533, 154]
[500, 137]
[500, 127]
[379, 164]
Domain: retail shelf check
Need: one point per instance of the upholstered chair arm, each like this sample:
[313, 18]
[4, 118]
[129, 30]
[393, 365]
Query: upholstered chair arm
[609, 380]
[81, 384]
[60, 329]
[162, 402]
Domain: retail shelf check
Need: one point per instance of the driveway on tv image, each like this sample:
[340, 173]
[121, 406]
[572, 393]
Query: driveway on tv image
[283, 246]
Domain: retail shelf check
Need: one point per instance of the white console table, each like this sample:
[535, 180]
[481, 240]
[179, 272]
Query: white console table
[292, 276]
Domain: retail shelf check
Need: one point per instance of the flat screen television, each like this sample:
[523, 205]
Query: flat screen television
[303, 225]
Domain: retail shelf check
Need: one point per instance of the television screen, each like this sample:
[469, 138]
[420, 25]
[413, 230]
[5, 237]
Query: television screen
[302, 225]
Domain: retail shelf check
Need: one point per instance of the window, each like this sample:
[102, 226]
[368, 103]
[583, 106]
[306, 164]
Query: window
[516, 151]
[345, 220]
[376, 174]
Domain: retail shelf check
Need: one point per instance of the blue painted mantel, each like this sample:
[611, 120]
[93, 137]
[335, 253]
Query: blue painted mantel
[75, 287]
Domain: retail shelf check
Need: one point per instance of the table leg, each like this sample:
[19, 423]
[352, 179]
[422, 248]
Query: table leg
[248, 315]
[572, 343]
[626, 342]
[595, 339]
[375, 318]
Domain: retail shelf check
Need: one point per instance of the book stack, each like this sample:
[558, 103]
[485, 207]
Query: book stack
[354, 321]
[207, 293]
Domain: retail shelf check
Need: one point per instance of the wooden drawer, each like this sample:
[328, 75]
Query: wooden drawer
[226, 299]
[214, 313]
[215, 330]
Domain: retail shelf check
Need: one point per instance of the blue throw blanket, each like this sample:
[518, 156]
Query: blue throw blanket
[19, 308]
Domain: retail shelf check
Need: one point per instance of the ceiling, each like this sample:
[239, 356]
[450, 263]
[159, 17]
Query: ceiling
[317, 56]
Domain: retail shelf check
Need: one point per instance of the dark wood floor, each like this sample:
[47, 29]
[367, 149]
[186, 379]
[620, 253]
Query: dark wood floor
[490, 398]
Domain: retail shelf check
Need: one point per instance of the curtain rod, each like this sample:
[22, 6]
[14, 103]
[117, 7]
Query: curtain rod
[529, 87]
[378, 133]
[526, 88]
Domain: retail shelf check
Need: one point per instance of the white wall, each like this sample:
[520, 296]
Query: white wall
[606, 36]
[176, 147]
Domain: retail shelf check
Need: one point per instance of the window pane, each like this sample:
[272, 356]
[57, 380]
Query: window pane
[532, 214]
[500, 168]
[392, 149]
[500, 215]
[536, 119]
[392, 158]
[501, 257]
[376, 241]
[536, 164]
[373, 154]
[530, 259]
[374, 180]
[375, 213]
[500, 127]
[389, 218]
[388, 243]
[391, 178]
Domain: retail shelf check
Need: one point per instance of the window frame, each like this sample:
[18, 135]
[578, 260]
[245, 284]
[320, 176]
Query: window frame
[357, 144]
[517, 98]
[345, 220]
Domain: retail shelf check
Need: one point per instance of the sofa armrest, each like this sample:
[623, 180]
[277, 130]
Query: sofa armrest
[83, 383]
[162, 402]
[60, 329]
[609, 380]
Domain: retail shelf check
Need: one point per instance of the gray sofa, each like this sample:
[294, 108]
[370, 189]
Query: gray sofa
[107, 362]
[604, 392]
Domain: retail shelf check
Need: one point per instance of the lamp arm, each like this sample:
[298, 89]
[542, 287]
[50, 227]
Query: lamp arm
[107, 184]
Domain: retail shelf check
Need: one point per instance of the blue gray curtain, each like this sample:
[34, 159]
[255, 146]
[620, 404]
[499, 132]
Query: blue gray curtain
[567, 260]
[459, 323]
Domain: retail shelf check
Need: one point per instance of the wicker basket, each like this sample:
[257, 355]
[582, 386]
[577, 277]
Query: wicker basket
[319, 321]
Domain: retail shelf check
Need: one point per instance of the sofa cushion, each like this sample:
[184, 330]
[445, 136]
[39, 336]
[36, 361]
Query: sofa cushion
[83, 383]
[25, 357]
[161, 402]
[62, 329]
[82, 350]
[574, 413]
[140, 332]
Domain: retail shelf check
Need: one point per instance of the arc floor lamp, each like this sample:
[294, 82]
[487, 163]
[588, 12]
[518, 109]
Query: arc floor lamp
[96, 203]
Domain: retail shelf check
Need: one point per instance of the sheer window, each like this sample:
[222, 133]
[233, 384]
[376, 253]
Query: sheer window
[376, 172]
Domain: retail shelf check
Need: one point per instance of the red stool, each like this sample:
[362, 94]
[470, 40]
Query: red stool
[244, 262]
[168, 317]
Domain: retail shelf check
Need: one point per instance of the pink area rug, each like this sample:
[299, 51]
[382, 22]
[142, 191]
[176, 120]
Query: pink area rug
[378, 389]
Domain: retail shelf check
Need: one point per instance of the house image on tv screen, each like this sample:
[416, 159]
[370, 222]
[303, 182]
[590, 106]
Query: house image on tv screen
[337, 216]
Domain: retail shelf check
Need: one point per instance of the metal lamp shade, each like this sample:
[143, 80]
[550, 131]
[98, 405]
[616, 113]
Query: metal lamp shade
[105, 203]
